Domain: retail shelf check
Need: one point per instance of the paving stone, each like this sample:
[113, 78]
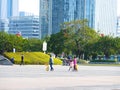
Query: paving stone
[35, 77]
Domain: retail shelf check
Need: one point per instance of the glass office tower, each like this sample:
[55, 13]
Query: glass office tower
[4, 25]
[3, 9]
[8, 8]
[98, 13]
[118, 26]
[55, 12]
[106, 17]
[44, 17]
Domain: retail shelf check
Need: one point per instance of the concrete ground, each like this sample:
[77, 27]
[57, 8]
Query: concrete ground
[35, 77]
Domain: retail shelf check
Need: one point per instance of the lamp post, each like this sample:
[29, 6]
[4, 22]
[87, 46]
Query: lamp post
[44, 46]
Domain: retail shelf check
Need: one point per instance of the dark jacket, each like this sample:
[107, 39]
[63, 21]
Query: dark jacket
[51, 60]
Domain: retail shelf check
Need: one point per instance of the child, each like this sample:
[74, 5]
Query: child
[71, 64]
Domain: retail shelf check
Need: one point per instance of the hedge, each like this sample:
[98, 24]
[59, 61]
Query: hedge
[32, 58]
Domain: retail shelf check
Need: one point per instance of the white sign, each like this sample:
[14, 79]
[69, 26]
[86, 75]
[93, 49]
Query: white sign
[13, 50]
[44, 46]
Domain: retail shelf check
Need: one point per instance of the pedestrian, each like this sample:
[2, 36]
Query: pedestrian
[75, 63]
[22, 60]
[51, 63]
[70, 65]
[12, 60]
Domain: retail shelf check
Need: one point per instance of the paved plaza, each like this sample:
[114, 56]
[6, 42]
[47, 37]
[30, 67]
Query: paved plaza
[35, 77]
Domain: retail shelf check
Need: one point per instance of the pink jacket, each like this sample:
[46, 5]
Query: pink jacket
[75, 61]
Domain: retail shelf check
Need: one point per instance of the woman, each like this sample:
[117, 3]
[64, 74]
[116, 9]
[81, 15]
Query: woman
[75, 63]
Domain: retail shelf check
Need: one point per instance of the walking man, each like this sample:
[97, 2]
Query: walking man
[22, 60]
[51, 63]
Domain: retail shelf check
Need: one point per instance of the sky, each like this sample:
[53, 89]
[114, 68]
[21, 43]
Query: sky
[32, 6]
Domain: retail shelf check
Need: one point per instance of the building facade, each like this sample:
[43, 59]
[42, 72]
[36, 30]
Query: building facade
[54, 12]
[101, 14]
[8, 8]
[27, 26]
[118, 26]
[43, 18]
[22, 13]
[4, 25]
[106, 17]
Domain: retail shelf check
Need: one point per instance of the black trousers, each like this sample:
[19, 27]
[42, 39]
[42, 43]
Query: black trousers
[51, 67]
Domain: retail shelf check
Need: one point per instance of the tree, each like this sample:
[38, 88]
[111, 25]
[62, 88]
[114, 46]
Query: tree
[9, 41]
[117, 45]
[34, 44]
[78, 34]
[56, 43]
[105, 45]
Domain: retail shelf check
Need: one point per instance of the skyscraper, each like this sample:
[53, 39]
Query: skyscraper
[8, 8]
[101, 14]
[4, 25]
[106, 17]
[44, 6]
[118, 26]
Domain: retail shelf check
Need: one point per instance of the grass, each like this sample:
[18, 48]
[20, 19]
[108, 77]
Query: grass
[32, 58]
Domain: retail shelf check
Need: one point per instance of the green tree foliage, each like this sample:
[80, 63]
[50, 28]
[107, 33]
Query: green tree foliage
[56, 43]
[116, 43]
[106, 45]
[9, 41]
[78, 35]
[34, 44]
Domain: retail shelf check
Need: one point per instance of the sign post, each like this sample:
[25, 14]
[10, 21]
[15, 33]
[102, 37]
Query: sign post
[13, 50]
[44, 46]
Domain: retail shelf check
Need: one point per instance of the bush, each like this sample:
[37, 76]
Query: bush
[103, 61]
[32, 58]
[80, 61]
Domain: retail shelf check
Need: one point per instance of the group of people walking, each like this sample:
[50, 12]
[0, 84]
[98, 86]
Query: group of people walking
[73, 64]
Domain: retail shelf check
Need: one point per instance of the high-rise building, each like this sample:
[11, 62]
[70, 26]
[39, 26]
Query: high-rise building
[118, 26]
[101, 14]
[4, 25]
[55, 12]
[8, 8]
[26, 26]
[106, 17]
[22, 13]
[44, 17]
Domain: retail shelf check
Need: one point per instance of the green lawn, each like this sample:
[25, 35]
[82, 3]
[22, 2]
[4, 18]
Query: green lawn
[31, 58]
